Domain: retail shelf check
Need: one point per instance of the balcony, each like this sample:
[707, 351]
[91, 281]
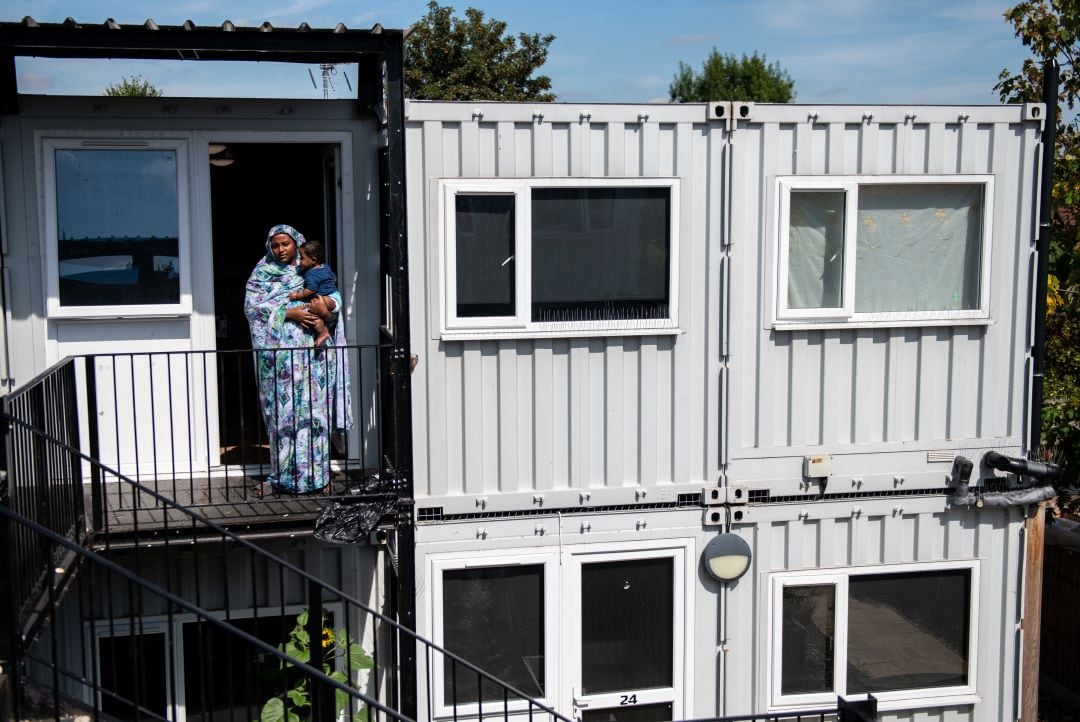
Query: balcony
[191, 428]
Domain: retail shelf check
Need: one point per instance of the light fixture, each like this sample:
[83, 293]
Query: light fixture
[216, 148]
[223, 159]
[726, 557]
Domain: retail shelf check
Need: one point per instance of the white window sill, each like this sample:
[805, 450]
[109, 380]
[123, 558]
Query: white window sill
[91, 317]
[525, 334]
[857, 324]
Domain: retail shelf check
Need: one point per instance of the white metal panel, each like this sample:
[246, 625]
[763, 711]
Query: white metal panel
[551, 414]
[729, 642]
[833, 388]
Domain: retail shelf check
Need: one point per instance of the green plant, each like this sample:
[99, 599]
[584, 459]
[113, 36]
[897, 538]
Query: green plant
[338, 651]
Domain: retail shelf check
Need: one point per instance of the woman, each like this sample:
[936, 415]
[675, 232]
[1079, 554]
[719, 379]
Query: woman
[303, 391]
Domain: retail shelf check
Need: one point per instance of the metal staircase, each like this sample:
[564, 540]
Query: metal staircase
[178, 617]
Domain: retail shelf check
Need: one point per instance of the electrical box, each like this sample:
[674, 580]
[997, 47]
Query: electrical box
[815, 467]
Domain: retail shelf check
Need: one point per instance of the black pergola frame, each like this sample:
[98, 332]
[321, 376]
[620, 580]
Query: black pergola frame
[379, 55]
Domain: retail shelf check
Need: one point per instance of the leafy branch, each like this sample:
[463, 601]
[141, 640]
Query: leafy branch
[339, 651]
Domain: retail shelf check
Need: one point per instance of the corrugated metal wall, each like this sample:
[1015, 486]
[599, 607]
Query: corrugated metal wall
[834, 535]
[730, 394]
[727, 632]
[845, 391]
[559, 413]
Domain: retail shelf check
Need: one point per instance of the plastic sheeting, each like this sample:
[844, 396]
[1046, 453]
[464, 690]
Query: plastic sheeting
[351, 519]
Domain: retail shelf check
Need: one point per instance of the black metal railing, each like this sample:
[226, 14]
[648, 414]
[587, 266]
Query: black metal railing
[809, 715]
[190, 559]
[40, 480]
[207, 427]
[120, 668]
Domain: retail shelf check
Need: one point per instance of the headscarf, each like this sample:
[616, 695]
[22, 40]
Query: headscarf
[296, 235]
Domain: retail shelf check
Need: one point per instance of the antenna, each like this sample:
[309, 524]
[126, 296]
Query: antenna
[328, 71]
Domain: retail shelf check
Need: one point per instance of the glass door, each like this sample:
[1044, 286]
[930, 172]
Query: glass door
[626, 642]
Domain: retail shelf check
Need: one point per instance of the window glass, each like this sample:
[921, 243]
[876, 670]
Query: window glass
[133, 675]
[600, 254]
[816, 249]
[908, 631]
[484, 255]
[809, 614]
[918, 247]
[627, 625]
[117, 216]
[494, 618]
[242, 678]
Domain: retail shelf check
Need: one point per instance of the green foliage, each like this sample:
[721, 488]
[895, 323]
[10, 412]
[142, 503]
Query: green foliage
[1051, 28]
[470, 58]
[338, 651]
[726, 77]
[135, 86]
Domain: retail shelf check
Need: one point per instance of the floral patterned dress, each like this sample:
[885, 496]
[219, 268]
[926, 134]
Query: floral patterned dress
[303, 390]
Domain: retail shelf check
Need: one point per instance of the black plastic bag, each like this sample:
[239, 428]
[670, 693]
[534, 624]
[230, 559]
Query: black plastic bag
[348, 520]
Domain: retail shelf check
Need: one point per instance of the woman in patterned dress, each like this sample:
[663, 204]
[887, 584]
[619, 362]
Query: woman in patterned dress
[303, 391]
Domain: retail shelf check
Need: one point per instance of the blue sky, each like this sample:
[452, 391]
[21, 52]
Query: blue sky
[838, 51]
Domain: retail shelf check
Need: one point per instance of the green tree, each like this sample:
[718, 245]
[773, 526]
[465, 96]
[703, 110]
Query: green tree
[135, 86]
[1051, 28]
[470, 58]
[726, 77]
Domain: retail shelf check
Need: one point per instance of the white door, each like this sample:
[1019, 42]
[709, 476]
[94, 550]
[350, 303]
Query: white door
[624, 618]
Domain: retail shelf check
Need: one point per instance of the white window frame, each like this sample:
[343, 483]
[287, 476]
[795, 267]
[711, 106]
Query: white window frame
[440, 564]
[846, 315]
[839, 578]
[520, 326]
[173, 625]
[47, 173]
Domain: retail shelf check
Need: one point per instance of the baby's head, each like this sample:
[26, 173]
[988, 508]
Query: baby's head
[311, 254]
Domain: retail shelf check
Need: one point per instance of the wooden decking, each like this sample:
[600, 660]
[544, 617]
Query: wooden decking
[237, 502]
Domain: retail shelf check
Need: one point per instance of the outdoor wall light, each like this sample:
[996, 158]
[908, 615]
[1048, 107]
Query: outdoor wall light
[726, 557]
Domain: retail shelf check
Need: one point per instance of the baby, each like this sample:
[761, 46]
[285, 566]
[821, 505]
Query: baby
[319, 280]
